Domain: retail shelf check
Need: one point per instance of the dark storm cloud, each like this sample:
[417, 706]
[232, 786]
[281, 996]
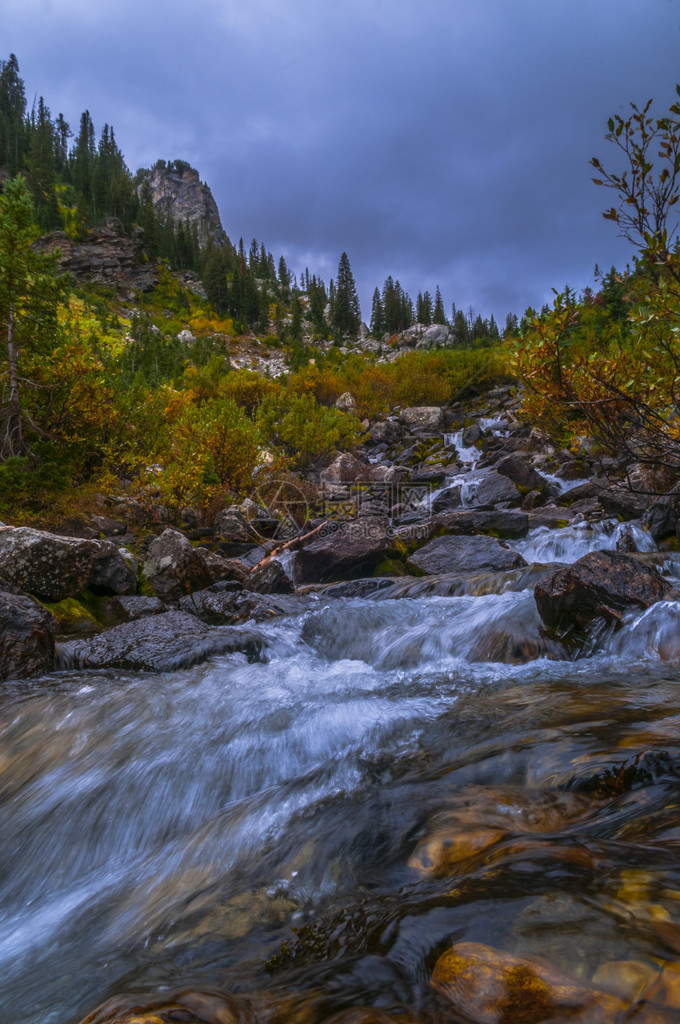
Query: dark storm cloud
[440, 142]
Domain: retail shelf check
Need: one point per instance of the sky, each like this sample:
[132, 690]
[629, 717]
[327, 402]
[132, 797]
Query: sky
[442, 142]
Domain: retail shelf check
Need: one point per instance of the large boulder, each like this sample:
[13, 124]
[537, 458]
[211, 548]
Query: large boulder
[463, 554]
[601, 585]
[434, 336]
[26, 634]
[341, 548]
[53, 567]
[173, 567]
[620, 500]
[423, 417]
[506, 523]
[161, 643]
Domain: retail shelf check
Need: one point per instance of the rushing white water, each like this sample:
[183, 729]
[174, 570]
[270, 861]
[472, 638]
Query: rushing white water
[180, 828]
[469, 456]
[580, 538]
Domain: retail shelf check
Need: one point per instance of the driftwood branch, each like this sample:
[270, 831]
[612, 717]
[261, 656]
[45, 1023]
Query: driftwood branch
[289, 545]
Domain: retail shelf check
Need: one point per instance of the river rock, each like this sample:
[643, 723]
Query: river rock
[482, 487]
[472, 434]
[620, 500]
[190, 1006]
[341, 548]
[162, 643]
[490, 986]
[517, 468]
[661, 518]
[464, 554]
[480, 816]
[505, 523]
[219, 568]
[54, 567]
[173, 567]
[423, 417]
[26, 634]
[115, 610]
[269, 578]
[601, 585]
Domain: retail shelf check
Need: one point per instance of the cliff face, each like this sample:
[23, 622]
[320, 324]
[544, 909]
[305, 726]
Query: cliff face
[176, 189]
[107, 257]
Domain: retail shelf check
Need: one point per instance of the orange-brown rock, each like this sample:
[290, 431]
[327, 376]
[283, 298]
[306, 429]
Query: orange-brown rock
[490, 986]
[480, 817]
[189, 1006]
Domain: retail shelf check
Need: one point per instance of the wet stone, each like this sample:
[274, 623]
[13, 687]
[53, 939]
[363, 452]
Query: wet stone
[601, 585]
[464, 554]
[189, 1006]
[490, 986]
[162, 643]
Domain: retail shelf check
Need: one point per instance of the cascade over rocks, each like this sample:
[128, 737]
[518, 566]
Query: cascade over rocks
[26, 634]
[53, 568]
[482, 487]
[601, 585]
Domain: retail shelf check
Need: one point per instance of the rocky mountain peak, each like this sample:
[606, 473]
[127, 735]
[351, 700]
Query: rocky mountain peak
[177, 189]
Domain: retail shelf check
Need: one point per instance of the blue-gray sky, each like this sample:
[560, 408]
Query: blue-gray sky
[440, 141]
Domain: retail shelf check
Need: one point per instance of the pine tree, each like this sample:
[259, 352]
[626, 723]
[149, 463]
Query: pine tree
[12, 110]
[296, 319]
[424, 309]
[377, 315]
[30, 288]
[346, 313]
[438, 316]
[41, 166]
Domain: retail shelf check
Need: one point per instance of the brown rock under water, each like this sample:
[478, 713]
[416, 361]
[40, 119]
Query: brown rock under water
[490, 986]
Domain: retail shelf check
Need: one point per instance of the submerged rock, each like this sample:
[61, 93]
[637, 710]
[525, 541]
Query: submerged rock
[601, 585]
[53, 567]
[481, 816]
[490, 986]
[464, 554]
[26, 634]
[190, 1006]
[161, 643]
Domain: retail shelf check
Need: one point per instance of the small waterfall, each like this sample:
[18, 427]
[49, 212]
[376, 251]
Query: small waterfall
[579, 539]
